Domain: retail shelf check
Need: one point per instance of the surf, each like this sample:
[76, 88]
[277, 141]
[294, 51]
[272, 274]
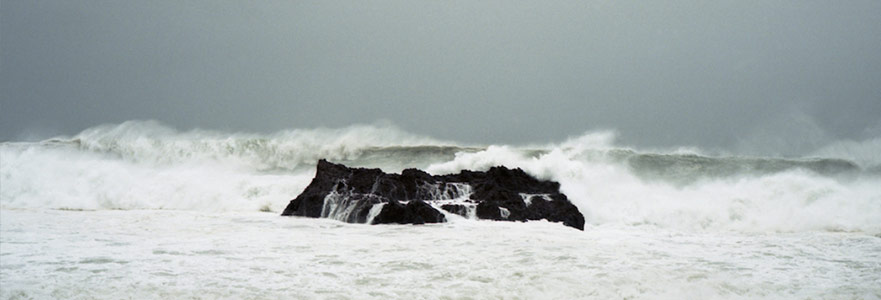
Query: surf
[146, 165]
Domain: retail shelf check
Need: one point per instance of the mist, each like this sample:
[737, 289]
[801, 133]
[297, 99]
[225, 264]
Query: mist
[739, 76]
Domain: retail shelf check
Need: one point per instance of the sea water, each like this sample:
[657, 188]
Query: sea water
[140, 210]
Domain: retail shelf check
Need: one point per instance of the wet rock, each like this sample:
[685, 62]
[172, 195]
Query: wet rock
[458, 209]
[414, 212]
[416, 197]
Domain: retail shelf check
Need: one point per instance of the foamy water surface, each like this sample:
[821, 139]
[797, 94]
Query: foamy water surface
[140, 210]
[180, 254]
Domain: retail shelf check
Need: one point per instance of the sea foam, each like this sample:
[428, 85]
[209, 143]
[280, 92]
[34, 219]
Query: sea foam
[146, 165]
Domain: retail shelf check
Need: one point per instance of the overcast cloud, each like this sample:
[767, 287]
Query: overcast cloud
[714, 74]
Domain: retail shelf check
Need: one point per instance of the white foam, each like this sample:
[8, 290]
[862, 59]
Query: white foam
[187, 254]
[148, 166]
[607, 191]
[527, 198]
[374, 211]
[35, 176]
[145, 165]
[504, 212]
[455, 191]
[153, 143]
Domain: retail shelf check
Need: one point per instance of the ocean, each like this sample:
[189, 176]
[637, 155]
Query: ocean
[140, 210]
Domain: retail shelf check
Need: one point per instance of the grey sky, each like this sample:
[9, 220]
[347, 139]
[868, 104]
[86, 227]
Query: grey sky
[708, 73]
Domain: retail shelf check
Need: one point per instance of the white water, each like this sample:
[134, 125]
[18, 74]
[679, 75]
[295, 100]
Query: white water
[139, 210]
[183, 254]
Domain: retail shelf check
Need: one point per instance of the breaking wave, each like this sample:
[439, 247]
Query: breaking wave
[146, 165]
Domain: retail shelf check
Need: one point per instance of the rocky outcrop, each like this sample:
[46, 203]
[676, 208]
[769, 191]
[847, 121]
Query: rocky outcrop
[359, 195]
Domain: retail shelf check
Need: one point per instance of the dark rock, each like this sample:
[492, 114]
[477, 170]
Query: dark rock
[351, 195]
[414, 212]
[458, 209]
[489, 210]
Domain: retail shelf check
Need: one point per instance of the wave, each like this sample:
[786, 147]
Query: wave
[610, 192]
[152, 142]
[146, 165]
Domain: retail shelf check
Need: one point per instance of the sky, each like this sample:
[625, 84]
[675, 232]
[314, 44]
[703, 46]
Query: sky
[713, 74]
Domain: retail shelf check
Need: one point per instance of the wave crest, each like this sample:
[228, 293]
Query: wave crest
[152, 142]
[146, 165]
